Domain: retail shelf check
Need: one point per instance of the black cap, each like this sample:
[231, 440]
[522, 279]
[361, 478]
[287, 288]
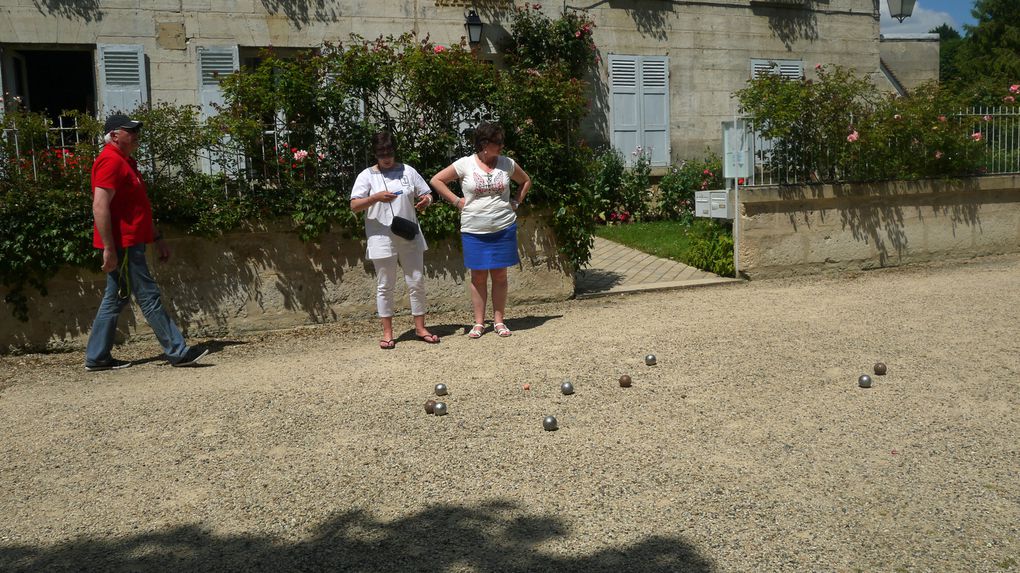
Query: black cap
[120, 121]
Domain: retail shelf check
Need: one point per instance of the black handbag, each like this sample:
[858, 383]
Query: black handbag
[403, 228]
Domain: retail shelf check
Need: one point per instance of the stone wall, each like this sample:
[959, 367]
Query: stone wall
[806, 229]
[912, 58]
[269, 279]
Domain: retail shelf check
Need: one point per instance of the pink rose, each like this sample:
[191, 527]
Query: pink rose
[854, 136]
[942, 118]
[818, 66]
[300, 155]
[976, 136]
[1014, 89]
[938, 155]
[987, 118]
[438, 49]
[1009, 99]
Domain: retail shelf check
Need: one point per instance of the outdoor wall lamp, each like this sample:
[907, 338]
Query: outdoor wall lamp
[901, 9]
[474, 27]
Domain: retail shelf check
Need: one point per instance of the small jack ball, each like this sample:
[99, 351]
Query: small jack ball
[880, 369]
[440, 408]
[527, 386]
[430, 406]
[625, 381]
[567, 388]
[441, 390]
[864, 381]
[650, 360]
[549, 423]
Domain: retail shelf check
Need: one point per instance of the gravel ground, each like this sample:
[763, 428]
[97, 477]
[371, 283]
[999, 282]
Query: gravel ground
[748, 447]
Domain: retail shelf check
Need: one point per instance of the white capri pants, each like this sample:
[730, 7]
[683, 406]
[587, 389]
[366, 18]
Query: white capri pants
[412, 261]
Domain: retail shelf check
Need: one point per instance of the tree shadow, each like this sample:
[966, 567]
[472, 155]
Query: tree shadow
[596, 280]
[649, 19]
[88, 10]
[488, 537]
[790, 24]
[300, 13]
[874, 213]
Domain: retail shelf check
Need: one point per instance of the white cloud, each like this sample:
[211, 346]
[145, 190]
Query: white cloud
[921, 21]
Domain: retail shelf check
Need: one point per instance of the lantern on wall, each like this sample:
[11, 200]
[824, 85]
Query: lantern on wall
[474, 27]
[901, 9]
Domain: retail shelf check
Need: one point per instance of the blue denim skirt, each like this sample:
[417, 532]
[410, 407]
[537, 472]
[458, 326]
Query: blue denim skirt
[488, 251]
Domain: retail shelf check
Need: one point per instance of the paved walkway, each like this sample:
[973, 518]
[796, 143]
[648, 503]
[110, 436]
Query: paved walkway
[616, 269]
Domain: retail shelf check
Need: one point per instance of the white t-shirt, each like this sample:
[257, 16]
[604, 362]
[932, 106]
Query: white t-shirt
[486, 195]
[403, 178]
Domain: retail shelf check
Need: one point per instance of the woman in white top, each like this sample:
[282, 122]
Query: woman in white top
[488, 220]
[389, 189]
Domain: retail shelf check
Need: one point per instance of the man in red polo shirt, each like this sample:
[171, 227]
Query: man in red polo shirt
[123, 226]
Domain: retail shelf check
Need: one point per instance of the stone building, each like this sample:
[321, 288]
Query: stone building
[667, 72]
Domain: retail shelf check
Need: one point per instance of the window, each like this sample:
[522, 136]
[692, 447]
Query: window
[789, 69]
[639, 104]
[49, 80]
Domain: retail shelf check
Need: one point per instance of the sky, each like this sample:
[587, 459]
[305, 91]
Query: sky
[929, 14]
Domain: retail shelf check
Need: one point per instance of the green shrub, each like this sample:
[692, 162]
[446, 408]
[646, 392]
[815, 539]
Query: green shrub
[712, 248]
[677, 187]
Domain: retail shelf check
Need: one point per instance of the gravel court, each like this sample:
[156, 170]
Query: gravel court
[748, 447]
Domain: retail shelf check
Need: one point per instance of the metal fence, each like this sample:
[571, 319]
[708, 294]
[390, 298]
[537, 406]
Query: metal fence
[1000, 151]
[59, 138]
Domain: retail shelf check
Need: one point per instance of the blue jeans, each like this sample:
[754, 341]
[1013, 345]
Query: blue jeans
[147, 295]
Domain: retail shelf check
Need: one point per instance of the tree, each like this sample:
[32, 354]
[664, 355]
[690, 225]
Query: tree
[945, 32]
[991, 49]
[949, 44]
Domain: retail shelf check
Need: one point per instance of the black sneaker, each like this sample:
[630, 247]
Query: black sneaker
[192, 356]
[111, 364]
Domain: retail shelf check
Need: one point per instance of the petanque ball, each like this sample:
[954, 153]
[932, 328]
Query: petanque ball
[567, 388]
[549, 423]
[650, 360]
[441, 390]
[430, 406]
[880, 369]
[864, 381]
[625, 381]
[440, 408]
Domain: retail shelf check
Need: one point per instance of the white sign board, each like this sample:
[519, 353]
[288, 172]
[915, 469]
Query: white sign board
[738, 148]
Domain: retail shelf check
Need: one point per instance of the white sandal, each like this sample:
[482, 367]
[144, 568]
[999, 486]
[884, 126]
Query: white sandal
[476, 331]
[501, 330]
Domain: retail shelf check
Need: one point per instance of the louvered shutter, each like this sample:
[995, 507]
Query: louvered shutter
[655, 108]
[122, 82]
[625, 104]
[214, 62]
[789, 69]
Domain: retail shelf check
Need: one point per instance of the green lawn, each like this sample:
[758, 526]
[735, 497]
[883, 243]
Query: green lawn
[667, 239]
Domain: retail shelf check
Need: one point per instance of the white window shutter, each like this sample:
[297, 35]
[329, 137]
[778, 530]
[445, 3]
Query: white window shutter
[122, 83]
[625, 104]
[655, 108]
[214, 63]
[789, 69]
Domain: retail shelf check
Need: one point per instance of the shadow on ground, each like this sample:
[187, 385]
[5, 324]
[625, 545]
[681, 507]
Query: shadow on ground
[493, 536]
[596, 280]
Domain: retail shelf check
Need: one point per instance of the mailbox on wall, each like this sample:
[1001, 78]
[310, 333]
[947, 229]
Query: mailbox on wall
[714, 203]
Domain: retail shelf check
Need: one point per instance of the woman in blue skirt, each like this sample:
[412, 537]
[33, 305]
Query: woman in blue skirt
[488, 220]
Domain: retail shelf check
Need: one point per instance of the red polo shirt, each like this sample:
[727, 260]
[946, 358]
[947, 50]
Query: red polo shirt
[130, 210]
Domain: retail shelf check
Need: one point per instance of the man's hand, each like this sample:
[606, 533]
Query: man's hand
[109, 260]
[163, 250]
